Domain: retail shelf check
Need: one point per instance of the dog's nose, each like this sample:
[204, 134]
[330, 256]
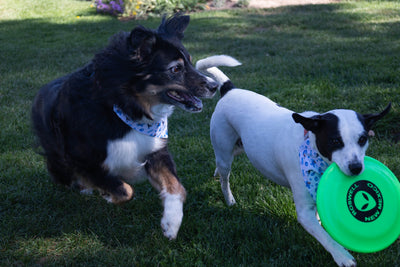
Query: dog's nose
[355, 168]
[212, 86]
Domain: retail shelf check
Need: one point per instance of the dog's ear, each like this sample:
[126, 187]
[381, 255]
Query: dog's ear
[142, 42]
[370, 119]
[310, 124]
[173, 27]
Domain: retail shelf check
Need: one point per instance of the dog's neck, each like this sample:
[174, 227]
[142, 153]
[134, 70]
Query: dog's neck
[312, 164]
[158, 127]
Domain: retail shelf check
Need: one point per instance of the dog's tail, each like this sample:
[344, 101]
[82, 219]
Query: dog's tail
[209, 66]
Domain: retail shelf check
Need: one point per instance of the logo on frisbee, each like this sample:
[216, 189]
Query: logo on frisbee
[365, 201]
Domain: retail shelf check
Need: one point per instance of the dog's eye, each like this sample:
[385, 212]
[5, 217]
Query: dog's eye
[363, 140]
[176, 69]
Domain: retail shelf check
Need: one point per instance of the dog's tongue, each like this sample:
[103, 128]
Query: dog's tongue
[186, 101]
[197, 105]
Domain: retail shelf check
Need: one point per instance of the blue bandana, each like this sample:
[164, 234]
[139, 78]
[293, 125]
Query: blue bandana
[155, 129]
[312, 167]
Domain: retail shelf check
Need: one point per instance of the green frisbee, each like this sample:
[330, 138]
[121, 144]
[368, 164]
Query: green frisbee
[362, 212]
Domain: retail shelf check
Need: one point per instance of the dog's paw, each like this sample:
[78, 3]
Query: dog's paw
[229, 198]
[107, 197]
[172, 217]
[122, 194]
[345, 260]
[230, 201]
[348, 263]
[82, 188]
[170, 227]
[226, 191]
[87, 191]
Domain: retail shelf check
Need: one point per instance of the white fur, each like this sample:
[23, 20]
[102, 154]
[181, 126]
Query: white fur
[350, 132]
[209, 64]
[173, 214]
[271, 140]
[161, 110]
[86, 191]
[126, 156]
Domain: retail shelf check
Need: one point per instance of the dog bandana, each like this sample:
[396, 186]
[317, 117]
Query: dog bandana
[156, 129]
[312, 166]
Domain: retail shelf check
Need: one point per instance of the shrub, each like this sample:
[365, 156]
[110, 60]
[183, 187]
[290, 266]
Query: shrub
[109, 7]
[143, 8]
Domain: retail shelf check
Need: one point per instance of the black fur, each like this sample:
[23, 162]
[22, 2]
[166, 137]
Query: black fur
[73, 115]
[226, 87]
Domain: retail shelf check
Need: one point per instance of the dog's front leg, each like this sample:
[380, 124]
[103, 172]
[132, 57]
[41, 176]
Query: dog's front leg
[162, 175]
[306, 215]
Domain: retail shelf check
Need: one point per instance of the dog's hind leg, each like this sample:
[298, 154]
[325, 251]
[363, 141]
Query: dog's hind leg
[59, 171]
[238, 149]
[119, 194]
[112, 188]
[225, 186]
[224, 140]
[162, 175]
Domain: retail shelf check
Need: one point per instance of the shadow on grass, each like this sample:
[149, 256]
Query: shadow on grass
[57, 227]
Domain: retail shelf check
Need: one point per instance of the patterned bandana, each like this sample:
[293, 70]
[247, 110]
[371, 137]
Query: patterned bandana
[155, 129]
[312, 166]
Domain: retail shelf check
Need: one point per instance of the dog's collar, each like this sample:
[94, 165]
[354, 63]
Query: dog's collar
[312, 166]
[155, 129]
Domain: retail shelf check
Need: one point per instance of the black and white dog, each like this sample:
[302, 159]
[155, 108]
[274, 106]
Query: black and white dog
[104, 126]
[276, 141]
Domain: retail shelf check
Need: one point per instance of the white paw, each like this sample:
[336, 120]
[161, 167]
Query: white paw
[87, 191]
[173, 214]
[216, 172]
[348, 263]
[171, 226]
[226, 191]
[345, 259]
[230, 200]
[108, 198]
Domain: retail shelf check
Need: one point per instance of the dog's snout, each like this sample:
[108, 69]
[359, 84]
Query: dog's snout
[208, 87]
[355, 168]
[212, 86]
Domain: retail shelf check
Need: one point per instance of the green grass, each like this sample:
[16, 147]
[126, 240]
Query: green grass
[318, 57]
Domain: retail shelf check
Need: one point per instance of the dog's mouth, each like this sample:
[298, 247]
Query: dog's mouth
[184, 100]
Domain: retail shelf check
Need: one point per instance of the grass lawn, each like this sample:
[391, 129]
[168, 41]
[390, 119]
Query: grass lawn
[319, 57]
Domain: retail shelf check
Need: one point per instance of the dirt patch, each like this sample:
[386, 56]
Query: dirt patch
[277, 3]
[266, 3]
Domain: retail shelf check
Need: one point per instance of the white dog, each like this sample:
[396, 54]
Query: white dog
[276, 141]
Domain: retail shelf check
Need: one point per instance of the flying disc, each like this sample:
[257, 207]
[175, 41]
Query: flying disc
[362, 213]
